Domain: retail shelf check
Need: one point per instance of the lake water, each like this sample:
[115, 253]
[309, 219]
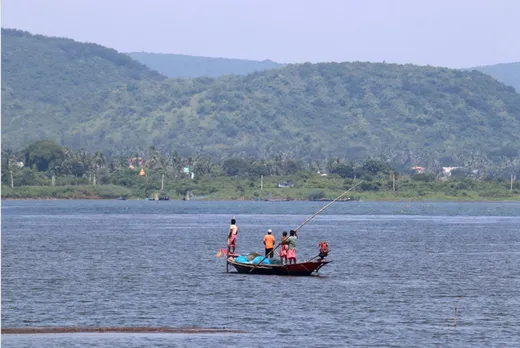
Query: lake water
[398, 271]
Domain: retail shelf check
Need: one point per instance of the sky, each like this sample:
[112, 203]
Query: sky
[451, 33]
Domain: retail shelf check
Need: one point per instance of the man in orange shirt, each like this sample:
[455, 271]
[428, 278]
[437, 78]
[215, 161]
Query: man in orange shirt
[269, 241]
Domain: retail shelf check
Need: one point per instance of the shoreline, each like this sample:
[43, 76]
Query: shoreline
[398, 200]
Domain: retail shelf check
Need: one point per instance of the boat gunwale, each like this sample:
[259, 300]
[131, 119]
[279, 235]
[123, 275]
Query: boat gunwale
[320, 263]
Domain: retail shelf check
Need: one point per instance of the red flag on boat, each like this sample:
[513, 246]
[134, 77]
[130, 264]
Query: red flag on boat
[222, 251]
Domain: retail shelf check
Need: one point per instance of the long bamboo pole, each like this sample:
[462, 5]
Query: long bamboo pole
[325, 207]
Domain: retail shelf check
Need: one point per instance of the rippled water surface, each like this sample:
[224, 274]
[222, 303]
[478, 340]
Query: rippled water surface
[398, 271]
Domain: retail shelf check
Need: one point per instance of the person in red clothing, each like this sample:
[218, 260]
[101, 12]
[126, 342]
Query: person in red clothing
[283, 248]
[291, 246]
[232, 236]
[269, 241]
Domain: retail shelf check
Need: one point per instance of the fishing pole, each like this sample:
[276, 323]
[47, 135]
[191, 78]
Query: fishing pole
[309, 219]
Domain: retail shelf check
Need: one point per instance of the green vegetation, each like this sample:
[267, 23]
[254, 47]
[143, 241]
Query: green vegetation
[46, 170]
[93, 98]
[66, 192]
[44, 78]
[351, 120]
[178, 65]
[507, 73]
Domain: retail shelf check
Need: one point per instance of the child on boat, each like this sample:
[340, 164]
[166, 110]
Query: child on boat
[283, 249]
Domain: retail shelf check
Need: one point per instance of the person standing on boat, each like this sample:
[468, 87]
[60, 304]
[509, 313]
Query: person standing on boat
[232, 236]
[291, 247]
[269, 241]
[283, 249]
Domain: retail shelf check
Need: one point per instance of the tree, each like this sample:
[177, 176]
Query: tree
[9, 166]
[235, 166]
[44, 154]
[290, 166]
[202, 165]
[345, 170]
[425, 177]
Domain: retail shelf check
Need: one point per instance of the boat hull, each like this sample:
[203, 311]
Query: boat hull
[297, 269]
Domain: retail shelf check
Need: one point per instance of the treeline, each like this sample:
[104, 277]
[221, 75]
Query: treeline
[45, 164]
[42, 160]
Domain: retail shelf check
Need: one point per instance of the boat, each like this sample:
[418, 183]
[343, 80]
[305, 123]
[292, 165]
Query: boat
[159, 197]
[306, 268]
[255, 263]
[166, 198]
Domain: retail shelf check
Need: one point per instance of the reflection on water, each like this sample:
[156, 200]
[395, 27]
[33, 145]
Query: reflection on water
[398, 271]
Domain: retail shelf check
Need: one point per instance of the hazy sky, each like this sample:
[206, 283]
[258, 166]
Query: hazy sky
[453, 33]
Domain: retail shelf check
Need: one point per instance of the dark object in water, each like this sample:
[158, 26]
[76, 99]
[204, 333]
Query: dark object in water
[306, 268]
[161, 198]
[53, 330]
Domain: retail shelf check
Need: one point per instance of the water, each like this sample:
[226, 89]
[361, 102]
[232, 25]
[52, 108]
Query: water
[399, 270]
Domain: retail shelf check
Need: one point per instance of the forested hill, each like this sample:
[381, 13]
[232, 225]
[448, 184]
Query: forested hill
[178, 65]
[508, 73]
[44, 77]
[411, 114]
[69, 67]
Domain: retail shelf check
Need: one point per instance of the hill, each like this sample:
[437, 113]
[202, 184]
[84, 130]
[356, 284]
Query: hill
[68, 66]
[413, 115]
[43, 77]
[178, 65]
[507, 73]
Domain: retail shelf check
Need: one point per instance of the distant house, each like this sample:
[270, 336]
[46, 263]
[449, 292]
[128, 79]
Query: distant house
[285, 184]
[418, 169]
[446, 171]
[135, 162]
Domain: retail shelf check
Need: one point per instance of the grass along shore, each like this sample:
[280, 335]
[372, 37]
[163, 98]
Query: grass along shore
[305, 188]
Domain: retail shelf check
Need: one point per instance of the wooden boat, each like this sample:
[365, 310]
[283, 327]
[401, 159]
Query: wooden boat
[306, 268]
[158, 198]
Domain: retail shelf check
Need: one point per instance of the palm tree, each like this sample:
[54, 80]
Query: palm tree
[202, 165]
[100, 160]
[152, 157]
[10, 163]
[176, 163]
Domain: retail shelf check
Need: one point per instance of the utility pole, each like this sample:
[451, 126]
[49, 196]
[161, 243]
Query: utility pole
[12, 182]
[162, 182]
[393, 182]
[261, 182]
